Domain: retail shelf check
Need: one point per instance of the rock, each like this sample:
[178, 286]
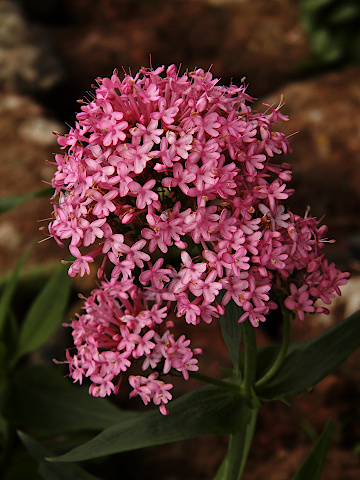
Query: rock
[325, 137]
[261, 40]
[27, 62]
[26, 143]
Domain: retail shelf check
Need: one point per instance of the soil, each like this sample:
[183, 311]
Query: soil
[266, 42]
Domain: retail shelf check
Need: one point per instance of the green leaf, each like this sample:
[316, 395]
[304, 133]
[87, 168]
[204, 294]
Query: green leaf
[310, 361]
[344, 14]
[11, 332]
[266, 357]
[311, 5]
[221, 473]
[22, 466]
[8, 203]
[42, 401]
[209, 410]
[354, 48]
[326, 45]
[314, 463]
[9, 291]
[232, 331]
[3, 370]
[45, 314]
[48, 470]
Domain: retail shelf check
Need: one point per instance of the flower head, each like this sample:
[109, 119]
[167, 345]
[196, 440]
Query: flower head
[158, 161]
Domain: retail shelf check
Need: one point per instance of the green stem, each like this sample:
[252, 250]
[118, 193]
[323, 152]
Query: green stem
[250, 430]
[282, 354]
[234, 463]
[215, 381]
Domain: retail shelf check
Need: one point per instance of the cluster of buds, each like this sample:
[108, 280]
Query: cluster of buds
[168, 166]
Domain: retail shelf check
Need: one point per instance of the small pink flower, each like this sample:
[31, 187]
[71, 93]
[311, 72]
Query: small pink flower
[81, 264]
[101, 386]
[208, 288]
[135, 253]
[144, 193]
[299, 301]
[165, 114]
[156, 275]
[191, 310]
[139, 389]
[144, 345]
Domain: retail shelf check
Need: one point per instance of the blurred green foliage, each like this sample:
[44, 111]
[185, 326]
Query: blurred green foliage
[334, 29]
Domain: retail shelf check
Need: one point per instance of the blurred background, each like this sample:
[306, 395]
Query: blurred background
[306, 50]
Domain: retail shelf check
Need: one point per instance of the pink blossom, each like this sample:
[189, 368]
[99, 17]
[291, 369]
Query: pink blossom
[149, 132]
[135, 253]
[165, 114]
[137, 156]
[299, 301]
[104, 205]
[180, 179]
[272, 192]
[277, 217]
[139, 388]
[101, 386]
[92, 230]
[81, 264]
[236, 288]
[151, 389]
[156, 275]
[190, 272]
[208, 287]
[144, 345]
[191, 310]
[179, 145]
[114, 363]
[162, 168]
[208, 123]
[144, 193]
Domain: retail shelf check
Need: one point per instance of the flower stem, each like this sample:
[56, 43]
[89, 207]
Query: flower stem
[215, 381]
[234, 463]
[249, 434]
[281, 356]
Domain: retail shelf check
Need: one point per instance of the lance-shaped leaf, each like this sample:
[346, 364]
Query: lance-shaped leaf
[9, 291]
[54, 405]
[314, 462]
[209, 410]
[232, 331]
[8, 203]
[310, 361]
[50, 471]
[45, 314]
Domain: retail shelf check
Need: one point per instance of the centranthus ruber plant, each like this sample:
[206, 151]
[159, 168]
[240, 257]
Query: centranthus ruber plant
[173, 188]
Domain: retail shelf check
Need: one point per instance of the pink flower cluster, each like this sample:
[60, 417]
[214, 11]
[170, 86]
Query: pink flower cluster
[118, 328]
[173, 166]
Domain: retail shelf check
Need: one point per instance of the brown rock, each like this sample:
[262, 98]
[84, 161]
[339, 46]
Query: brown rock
[324, 113]
[26, 60]
[261, 40]
[323, 127]
[26, 142]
